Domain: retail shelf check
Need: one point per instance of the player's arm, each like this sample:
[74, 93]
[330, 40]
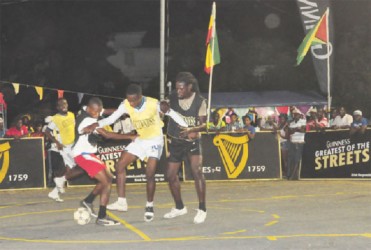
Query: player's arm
[106, 121]
[164, 108]
[48, 132]
[202, 118]
[112, 135]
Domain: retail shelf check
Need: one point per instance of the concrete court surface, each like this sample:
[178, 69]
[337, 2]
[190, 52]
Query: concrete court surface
[241, 215]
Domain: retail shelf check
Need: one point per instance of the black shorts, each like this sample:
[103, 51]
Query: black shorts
[180, 149]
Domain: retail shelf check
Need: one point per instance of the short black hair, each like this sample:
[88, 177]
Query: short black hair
[188, 78]
[96, 101]
[134, 89]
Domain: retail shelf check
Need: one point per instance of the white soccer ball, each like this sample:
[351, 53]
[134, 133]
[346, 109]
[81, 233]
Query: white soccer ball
[82, 216]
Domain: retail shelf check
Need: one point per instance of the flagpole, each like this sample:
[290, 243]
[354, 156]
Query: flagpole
[328, 62]
[212, 66]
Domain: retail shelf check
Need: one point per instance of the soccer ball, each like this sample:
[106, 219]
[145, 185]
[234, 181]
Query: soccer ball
[82, 216]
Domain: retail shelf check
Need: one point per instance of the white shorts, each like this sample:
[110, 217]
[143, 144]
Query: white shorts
[145, 148]
[67, 156]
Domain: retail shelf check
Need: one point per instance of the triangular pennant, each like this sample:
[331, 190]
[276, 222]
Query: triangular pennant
[80, 96]
[40, 92]
[16, 87]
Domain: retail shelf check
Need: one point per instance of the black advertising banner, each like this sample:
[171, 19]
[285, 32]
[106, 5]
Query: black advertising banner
[109, 152]
[311, 12]
[22, 163]
[231, 156]
[334, 154]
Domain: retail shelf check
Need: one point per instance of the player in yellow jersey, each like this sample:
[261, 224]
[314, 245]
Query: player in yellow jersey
[61, 131]
[144, 112]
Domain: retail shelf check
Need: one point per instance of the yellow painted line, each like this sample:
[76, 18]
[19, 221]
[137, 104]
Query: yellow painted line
[32, 213]
[276, 216]
[236, 232]
[130, 227]
[196, 238]
[271, 223]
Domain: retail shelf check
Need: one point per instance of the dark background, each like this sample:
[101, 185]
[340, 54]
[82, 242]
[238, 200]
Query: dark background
[63, 45]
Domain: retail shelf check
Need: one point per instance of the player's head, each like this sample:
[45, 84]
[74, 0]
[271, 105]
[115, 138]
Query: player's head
[94, 107]
[62, 106]
[185, 84]
[134, 95]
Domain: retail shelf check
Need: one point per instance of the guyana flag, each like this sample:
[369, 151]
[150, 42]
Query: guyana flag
[212, 57]
[317, 35]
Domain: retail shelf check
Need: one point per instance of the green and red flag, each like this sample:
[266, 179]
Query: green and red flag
[212, 46]
[317, 35]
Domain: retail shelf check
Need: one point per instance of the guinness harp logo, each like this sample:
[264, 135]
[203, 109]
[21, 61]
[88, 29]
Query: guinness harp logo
[234, 152]
[4, 156]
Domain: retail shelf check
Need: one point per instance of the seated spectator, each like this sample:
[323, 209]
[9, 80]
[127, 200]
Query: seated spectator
[26, 119]
[333, 115]
[250, 129]
[342, 120]
[18, 130]
[216, 124]
[235, 124]
[317, 121]
[227, 116]
[123, 125]
[359, 123]
[269, 124]
[38, 127]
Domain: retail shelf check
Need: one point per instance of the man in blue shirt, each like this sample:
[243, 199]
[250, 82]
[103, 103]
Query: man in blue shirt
[359, 123]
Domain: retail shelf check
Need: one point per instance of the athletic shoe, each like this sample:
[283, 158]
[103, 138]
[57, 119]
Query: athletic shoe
[175, 213]
[55, 196]
[89, 207]
[59, 183]
[107, 221]
[116, 206]
[149, 214]
[200, 216]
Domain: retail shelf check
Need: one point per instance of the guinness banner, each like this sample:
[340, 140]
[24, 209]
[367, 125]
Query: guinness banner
[22, 163]
[109, 152]
[232, 156]
[334, 154]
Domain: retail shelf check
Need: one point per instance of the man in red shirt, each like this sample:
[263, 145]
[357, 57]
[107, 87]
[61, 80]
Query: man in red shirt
[17, 131]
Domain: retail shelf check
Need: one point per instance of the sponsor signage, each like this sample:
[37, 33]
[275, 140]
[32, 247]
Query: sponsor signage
[109, 152]
[22, 163]
[233, 156]
[334, 154]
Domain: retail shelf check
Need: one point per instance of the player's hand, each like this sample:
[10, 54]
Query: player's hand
[60, 146]
[164, 106]
[90, 129]
[188, 133]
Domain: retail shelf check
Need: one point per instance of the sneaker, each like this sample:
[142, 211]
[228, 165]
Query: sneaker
[107, 221]
[116, 206]
[200, 216]
[89, 207]
[149, 214]
[175, 213]
[55, 196]
[59, 183]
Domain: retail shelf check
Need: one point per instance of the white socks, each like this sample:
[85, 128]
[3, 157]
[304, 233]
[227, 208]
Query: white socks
[149, 204]
[121, 200]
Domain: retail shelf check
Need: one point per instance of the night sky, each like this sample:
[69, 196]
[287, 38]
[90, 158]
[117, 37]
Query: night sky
[63, 45]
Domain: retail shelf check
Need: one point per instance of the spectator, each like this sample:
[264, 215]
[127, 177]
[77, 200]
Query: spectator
[123, 125]
[216, 124]
[235, 124]
[296, 132]
[269, 124]
[317, 121]
[2, 130]
[342, 120]
[26, 119]
[18, 130]
[333, 115]
[359, 123]
[282, 131]
[227, 116]
[38, 127]
[250, 129]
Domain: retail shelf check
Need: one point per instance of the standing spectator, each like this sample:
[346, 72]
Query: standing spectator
[282, 131]
[342, 120]
[250, 129]
[317, 121]
[297, 133]
[235, 124]
[18, 130]
[333, 115]
[123, 125]
[216, 124]
[269, 124]
[359, 123]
